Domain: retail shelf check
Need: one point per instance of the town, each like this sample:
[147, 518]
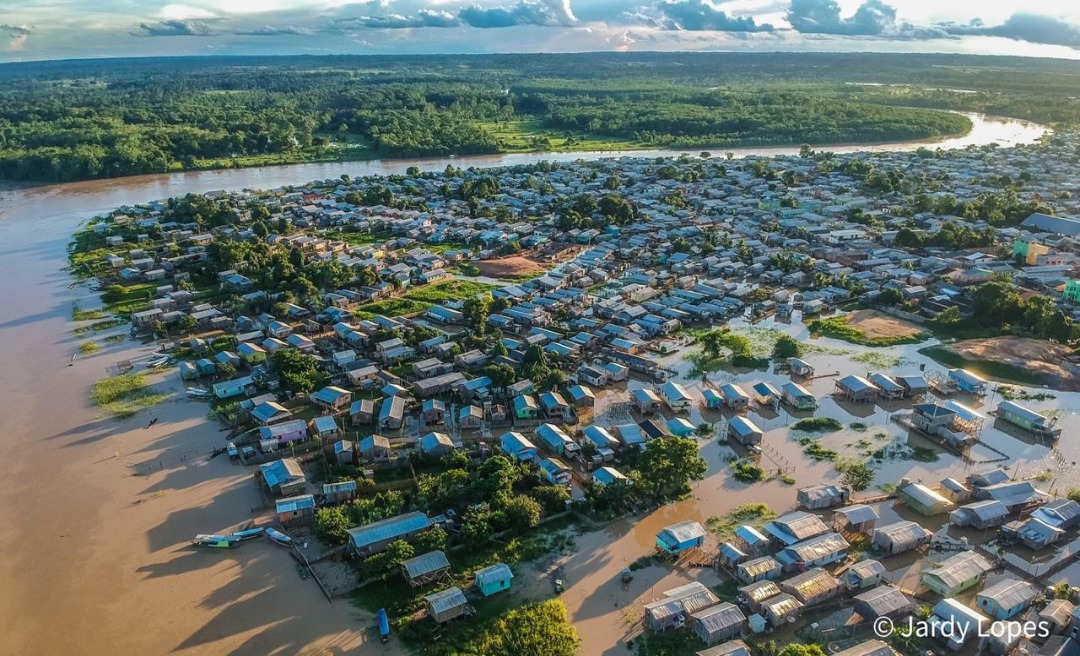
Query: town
[829, 388]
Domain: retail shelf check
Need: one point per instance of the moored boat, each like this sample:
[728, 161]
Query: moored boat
[278, 537]
[216, 541]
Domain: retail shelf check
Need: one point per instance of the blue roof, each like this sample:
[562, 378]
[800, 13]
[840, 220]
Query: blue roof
[494, 574]
[292, 504]
[388, 529]
[1060, 224]
[325, 424]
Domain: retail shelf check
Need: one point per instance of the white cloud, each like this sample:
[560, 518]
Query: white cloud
[184, 12]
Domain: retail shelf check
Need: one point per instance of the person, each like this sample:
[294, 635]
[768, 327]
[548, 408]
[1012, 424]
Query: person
[152, 422]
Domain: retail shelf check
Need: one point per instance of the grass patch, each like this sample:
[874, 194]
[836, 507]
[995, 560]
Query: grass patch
[878, 360]
[747, 472]
[114, 339]
[447, 290]
[786, 479]
[78, 314]
[816, 451]
[1016, 394]
[470, 270]
[668, 643]
[359, 238]
[754, 514]
[858, 426]
[86, 348]
[924, 454]
[817, 424]
[988, 368]
[124, 395]
[838, 328]
[392, 307]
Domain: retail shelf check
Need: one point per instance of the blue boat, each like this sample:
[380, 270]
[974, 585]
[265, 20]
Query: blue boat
[249, 534]
[278, 537]
[216, 541]
[384, 625]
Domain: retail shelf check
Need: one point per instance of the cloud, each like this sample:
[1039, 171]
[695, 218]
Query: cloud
[175, 28]
[184, 12]
[698, 15]
[1033, 28]
[268, 30]
[526, 12]
[872, 18]
[14, 30]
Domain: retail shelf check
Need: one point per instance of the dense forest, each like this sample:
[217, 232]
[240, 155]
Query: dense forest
[64, 121]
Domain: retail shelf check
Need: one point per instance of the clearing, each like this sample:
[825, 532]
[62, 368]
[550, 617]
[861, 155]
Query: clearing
[1022, 359]
[877, 325]
[516, 267]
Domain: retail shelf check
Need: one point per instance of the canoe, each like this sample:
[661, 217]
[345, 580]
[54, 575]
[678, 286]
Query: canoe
[248, 534]
[278, 537]
[384, 625]
[216, 541]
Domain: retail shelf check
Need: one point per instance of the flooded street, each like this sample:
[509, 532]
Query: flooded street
[105, 505]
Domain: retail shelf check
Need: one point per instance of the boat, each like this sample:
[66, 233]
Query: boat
[197, 392]
[216, 541]
[157, 364]
[249, 533]
[384, 625]
[279, 537]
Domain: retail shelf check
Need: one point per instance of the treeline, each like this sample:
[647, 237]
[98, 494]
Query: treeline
[64, 121]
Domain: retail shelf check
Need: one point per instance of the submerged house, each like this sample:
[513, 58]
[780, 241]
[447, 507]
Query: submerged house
[678, 605]
[883, 601]
[967, 381]
[980, 515]
[815, 552]
[923, 500]
[719, 623]
[823, 495]
[1006, 599]
[681, 537]
[765, 568]
[956, 573]
[797, 396]
[855, 519]
[856, 388]
[744, 431]
[899, 537]
[812, 587]
[1028, 419]
[734, 396]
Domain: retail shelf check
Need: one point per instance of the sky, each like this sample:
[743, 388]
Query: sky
[63, 29]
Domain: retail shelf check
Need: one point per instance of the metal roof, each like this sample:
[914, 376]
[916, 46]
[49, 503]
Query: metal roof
[781, 605]
[902, 532]
[1010, 593]
[325, 424]
[855, 384]
[959, 568]
[820, 491]
[811, 583]
[750, 535]
[858, 514]
[884, 381]
[729, 648]
[868, 648]
[819, 547]
[743, 426]
[759, 566]
[885, 600]
[682, 532]
[719, 618]
[293, 504]
[494, 573]
[1025, 413]
[868, 568]
[732, 391]
[388, 529]
[796, 526]
[760, 590]
[281, 471]
[445, 600]
[989, 509]
[428, 563]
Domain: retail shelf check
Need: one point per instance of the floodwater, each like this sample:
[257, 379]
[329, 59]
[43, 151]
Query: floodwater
[99, 511]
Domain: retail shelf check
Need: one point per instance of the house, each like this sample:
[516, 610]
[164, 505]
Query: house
[766, 395]
[797, 396]
[332, 399]
[1057, 614]
[525, 407]
[675, 396]
[765, 568]
[600, 437]
[361, 412]
[914, 385]
[373, 538]
[812, 587]
[677, 605]
[581, 396]
[856, 388]
[340, 492]
[864, 574]
[795, 527]
[883, 601]
[470, 416]
[954, 623]
[607, 476]
[753, 595]
[555, 471]
[270, 412]
[285, 432]
[433, 412]
[980, 515]
[800, 367]
[392, 413]
[713, 399]
[556, 441]
[646, 400]
[730, 555]
[426, 568]
[744, 431]
[815, 552]
[719, 623]
[888, 387]
[781, 609]
[517, 446]
[493, 579]
[956, 573]
[593, 376]
[854, 520]
[446, 605]
[1028, 419]
[1006, 599]
[899, 537]
[283, 477]
[436, 445]
[868, 648]
[295, 511]
[234, 387]
[681, 537]
[325, 428]
[734, 396]
[752, 541]
[375, 447]
[823, 495]
[923, 500]
[631, 435]
[555, 407]
[967, 381]
[1062, 513]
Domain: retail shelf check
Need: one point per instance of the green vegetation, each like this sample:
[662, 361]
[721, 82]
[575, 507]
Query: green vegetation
[854, 474]
[157, 115]
[817, 424]
[78, 314]
[816, 451]
[124, 395]
[878, 359]
[1010, 393]
[858, 426]
[750, 513]
[299, 372]
[392, 307]
[539, 629]
[86, 348]
[787, 347]
[998, 309]
[715, 343]
[441, 292]
[665, 470]
[989, 368]
[747, 472]
[838, 328]
[667, 643]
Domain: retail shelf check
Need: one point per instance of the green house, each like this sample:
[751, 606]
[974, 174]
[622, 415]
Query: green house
[1072, 291]
[956, 573]
[493, 579]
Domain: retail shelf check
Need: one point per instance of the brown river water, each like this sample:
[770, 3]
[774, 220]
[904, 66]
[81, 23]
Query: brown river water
[100, 511]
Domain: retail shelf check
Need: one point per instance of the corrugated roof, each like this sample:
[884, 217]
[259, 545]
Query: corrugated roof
[432, 561]
[958, 568]
[495, 573]
[388, 529]
[759, 566]
[868, 648]
[811, 583]
[867, 568]
[447, 599]
[719, 618]
[682, 532]
[902, 532]
[743, 426]
[760, 591]
[1026, 413]
[729, 648]
[885, 600]
[1010, 593]
[858, 514]
[819, 547]
[798, 525]
[781, 605]
[293, 504]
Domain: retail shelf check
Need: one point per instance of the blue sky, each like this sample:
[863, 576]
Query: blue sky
[58, 29]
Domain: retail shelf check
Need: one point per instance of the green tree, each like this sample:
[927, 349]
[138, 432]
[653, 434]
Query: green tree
[787, 347]
[299, 372]
[552, 498]
[432, 539]
[667, 466]
[801, 650]
[855, 474]
[523, 512]
[476, 526]
[332, 524]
